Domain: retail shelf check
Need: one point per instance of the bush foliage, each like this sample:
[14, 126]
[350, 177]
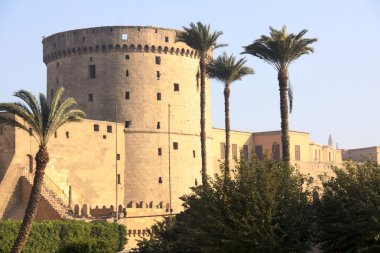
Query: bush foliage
[263, 207]
[66, 236]
[348, 214]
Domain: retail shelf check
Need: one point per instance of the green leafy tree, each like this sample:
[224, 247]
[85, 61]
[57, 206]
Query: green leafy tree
[348, 214]
[227, 69]
[263, 207]
[279, 50]
[203, 41]
[41, 118]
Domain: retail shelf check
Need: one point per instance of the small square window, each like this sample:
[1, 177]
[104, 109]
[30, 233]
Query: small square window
[159, 151]
[127, 56]
[117, 156]
[109, 129]
[124, 36]
[158, 60]
[166, 39]
[158, 125]
[175, 145]
[128, 123]
[90, 97]
[96, 128]
[127, 73]
[104, 137]
[176, 87]
[127, 95]
[158, 95]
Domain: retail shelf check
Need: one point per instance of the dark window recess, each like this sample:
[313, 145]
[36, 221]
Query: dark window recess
[127, 73]
[276, 151]
[175, 145]
[155, 30]
[67, 135]
[160, 180]
[128, 123]
[158, 60]
[91, 59]
[158, 75]
[222, 150]
[109, 129]
[158, 125]
[90, 97]
[158, 95]
[118, 157]
[176, 87]
[259, 152]
[159, 151]
[138, 29]
[245, 151]
[234, 151]
[118, 179]
[92, 71]
[104, 137]
[166, 39]
[96, 128]
[57, 64]
[127, 56]
[127, 95]
[55, 134]
[194, 153]
[196, 182]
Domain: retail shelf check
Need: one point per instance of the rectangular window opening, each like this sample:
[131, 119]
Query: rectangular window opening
[109, 129]
[127, 95]
[175, 145]
[234, 151]
[158, 75]
[176, 87]
[127, 56]
[159, 151]
[158, 60]
[193, 153]
[259, 152]
[166, 39]
[128, 123]
[118, 179]
[127, 73]
[92, 71]
[118, 157]
[158, 125]
[276, 151]
[222, 150]
[298, 153]
[245, 151]
[124, 36]
[96, 128]
[90, 97]
[158, 95]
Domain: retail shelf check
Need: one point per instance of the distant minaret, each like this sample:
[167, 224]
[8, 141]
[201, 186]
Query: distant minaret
[330, 142]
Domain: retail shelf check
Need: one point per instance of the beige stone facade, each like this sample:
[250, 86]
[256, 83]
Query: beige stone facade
[362, 154]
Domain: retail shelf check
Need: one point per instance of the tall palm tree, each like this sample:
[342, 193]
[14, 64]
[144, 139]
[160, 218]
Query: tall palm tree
[279, 50]
[43, 117]
[227, 69]
[201, 39]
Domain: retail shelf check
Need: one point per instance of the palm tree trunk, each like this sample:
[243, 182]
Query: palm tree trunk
[227, 125]
[42, 158]
[202, 66]
[283, 83]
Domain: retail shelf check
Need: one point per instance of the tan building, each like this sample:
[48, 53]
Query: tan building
[362, 154]
[139, 149]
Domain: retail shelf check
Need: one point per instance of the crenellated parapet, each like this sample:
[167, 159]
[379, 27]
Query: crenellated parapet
[132, 39]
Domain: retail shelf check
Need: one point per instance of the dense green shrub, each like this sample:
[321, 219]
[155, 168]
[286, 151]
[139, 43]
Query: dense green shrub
[263, 207]
[66, 236]
[348, 214]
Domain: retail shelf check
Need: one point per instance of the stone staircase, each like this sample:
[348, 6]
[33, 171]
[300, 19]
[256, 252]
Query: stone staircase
[54, 195]
[8, 186]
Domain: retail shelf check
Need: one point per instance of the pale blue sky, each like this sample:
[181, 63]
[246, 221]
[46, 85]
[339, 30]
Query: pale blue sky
[336, 89]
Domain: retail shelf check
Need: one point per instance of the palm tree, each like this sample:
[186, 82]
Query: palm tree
[43, 118]
[199, 37]
[227, 69]
[279, 50]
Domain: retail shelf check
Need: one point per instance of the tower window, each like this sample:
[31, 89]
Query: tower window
[127, 73]
[160, 180]
[158, 60]
[92, 71]
[117, 156]
[176, 87]
[67, 135]
[90, 97]
[127, 56]
[128, 123]
[196, 182]
[158, 125]
[55, 134]
[166, 39]
[96, 128]
[127, 95]
[109, 129]
[194, 153]
[175, 145]
[158, 95]
[124, 36]
[159, 151]
[104, 137]
[118, 179]
[158, 75]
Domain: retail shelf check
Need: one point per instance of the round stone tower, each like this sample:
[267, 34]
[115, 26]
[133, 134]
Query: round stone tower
[140, 77]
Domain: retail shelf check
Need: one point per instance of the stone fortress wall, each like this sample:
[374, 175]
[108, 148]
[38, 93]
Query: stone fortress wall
[130, 75]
